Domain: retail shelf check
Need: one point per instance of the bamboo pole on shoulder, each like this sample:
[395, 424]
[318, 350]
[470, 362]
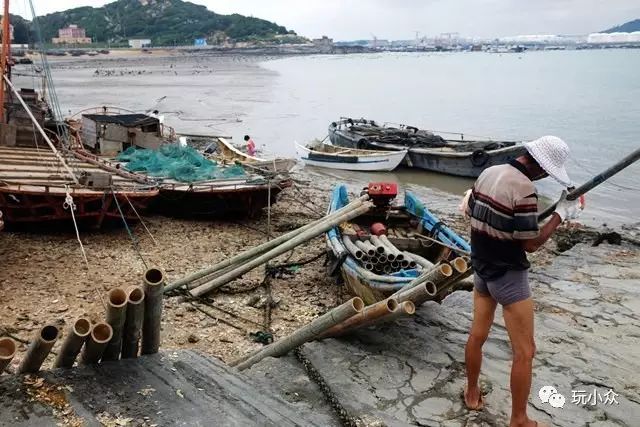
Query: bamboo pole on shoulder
[76, 336]
[39, 349]
[304, 334]
[261, 249]
[277, 251]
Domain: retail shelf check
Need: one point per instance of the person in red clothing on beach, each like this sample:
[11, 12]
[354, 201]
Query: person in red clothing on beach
[251, 146]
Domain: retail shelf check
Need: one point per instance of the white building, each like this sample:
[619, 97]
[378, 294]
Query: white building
[604, 38]
[139, 43]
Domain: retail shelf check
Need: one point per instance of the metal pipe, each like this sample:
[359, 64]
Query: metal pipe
[405, 263]
[375, 241]
[8, 349]
[352, 248]
[304, 334]
[100, 336]
[369, 266]
[387, 269]
[367, 247]
[390, 246]
[277, 251]
[133, 323]
[76, 336]
[265, 247]
[42, 132]
[39, 349]
[423, 262]
[373, 311]
[116, 315]
[413, 264]
[395, 265]
[153, 289]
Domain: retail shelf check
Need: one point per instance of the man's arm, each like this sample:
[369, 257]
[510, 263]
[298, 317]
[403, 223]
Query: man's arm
[532, 245]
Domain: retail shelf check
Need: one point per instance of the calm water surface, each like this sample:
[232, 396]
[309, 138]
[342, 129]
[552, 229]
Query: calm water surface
[589, 98]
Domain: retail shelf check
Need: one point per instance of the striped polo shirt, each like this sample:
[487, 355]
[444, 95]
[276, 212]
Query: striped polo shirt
[504, 210]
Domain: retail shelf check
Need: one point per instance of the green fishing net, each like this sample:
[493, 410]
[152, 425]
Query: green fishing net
[174, 161]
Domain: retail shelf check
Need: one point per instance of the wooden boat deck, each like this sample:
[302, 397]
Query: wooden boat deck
[38, 170]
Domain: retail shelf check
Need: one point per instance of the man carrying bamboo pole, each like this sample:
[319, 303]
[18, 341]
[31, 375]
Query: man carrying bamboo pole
[503, 206]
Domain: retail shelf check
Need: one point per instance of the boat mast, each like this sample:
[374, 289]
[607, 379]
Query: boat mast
[4, 60]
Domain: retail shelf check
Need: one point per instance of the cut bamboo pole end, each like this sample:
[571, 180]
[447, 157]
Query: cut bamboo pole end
[370, 312]
[8, 349]
[39, 349]
[154, 280]
[76, 336]
[132, 331]
[101, 334]
[116, 315]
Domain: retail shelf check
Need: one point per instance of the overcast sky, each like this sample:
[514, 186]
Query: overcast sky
[400, 19]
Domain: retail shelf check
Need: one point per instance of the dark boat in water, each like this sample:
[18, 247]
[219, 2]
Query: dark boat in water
[427, 150]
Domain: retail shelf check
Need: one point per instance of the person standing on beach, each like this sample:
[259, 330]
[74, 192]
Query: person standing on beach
[503, 207]
[251, 146]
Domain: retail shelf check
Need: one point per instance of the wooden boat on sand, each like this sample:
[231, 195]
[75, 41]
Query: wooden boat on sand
[426, 150]
[383, 251]
[190, 184]
[330, 156]
[222, 150]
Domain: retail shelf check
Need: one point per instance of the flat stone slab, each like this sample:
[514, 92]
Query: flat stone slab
[411, 372]
[169, 389]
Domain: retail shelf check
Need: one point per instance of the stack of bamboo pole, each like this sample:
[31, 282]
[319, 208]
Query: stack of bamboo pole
[379, 256]
[211, 278]
[132, 321]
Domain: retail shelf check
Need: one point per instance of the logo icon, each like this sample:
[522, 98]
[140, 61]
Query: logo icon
[549, 394]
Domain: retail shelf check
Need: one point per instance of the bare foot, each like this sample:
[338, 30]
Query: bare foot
[473, 399]
[529, 423]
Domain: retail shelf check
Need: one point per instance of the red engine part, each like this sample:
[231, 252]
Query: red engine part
[378, 229]
[382, 193]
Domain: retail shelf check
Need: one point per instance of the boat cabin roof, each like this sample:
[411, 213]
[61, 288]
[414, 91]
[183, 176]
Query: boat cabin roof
[127, 120]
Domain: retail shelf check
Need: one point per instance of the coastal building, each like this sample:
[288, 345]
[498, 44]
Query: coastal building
[139, 43]
[71, 35]
[324, 44]
[200, 42]
[613, 38]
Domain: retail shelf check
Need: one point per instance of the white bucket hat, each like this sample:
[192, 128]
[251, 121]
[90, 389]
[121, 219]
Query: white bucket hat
[551, 153]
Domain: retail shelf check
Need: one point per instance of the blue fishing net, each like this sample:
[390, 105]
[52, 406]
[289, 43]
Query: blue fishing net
[174, 161]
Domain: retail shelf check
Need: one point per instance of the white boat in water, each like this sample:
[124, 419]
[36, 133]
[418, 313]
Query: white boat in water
[330, 156]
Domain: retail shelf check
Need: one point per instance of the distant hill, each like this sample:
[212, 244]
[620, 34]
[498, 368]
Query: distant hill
[629, 27]
[165, 22]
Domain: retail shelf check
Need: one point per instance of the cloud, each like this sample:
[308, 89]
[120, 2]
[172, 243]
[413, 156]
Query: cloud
[400, 19]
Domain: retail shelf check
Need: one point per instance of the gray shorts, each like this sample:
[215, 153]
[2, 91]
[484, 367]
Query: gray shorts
[512, 287]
